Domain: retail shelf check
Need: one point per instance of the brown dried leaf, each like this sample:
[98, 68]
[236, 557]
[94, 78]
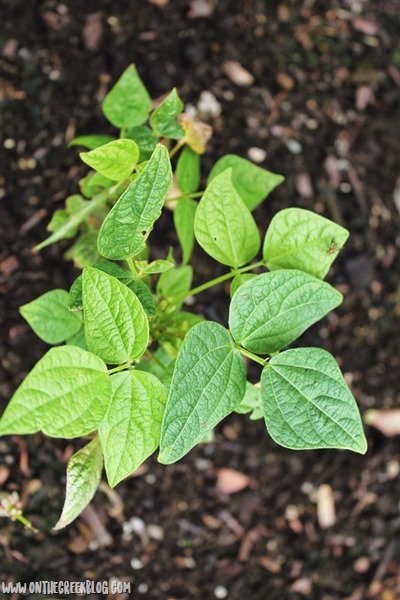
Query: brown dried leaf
[93, 30]
[304, 185]
[366, 27]
[364, 96]
[386, 420]
[285, 81]
[230, 481]
[200, 8]
[160, 3]
[197, 133]
[236, 73]
[326, 513]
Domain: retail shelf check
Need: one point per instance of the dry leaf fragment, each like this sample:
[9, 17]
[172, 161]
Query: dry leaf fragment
[326, 513]
[93, 30]
[197, 133]
[304, 185]
[364, 96]
[236, 73]
[160, 3]
[386, 420]
[285, 81]
[366, 27]
[231, 481]
[200, 8]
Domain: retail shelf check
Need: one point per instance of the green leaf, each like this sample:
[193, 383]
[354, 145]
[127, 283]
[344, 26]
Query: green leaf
[50, 318]
[175, 282]
[73, 204]
[93, 184]
[163, 119]
[138, 287]
[128, 103]
[156, 266]
[91, 141]
[130, 431]
[145, 139]
[65, 395]
[300, 239]
[78, 339]
[251, 182]
[84, 252]
[184, 214]
[307, 403]
[116, 326]
[239, 280]
[208, 384]
[83, 478]
[114, 160]
[129, 223]
[223, 225]
[188, 171]
[77, 218]
[272, 310]
[251, 402]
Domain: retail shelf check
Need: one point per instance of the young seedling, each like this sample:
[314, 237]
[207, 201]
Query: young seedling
[131, 371]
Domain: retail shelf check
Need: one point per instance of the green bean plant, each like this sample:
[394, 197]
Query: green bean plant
[131, 371]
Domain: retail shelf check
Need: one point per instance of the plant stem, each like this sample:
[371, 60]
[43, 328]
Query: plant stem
[177, 147]
[154, 358]
[119, 368]
[177, 198]
[252, 356]
[130, 262]
[217, 280]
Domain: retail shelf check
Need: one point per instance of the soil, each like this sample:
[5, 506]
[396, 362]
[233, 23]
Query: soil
[324, 106]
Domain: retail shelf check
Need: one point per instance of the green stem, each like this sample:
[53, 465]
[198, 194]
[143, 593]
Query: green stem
[154, 358]
[131, 264]
[177, 147]
[183, 196]
[119, 368]
[217, 280]
[252, 356]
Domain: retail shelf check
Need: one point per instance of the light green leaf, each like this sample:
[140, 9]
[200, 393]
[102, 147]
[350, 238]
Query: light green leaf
[116, 326]
[129, 223]
[273, 309]
[50, 318]
[155, 266]
[145, 139]
[184, 214]
[251, 402]
[93, 184]
[91, 141]
[128, 103]
[75, 219]
[83, 478]
[78, 339]
[73, 204]
[130, 431]
[300, 239]
[138, 287]
[188, 171]
[208, 383]
[175, 282]
[251, 182]
[65, 395]
[163, 119]
[114, 160]
[307, 403]
[223, 225]
[239, 280]
[84, 252]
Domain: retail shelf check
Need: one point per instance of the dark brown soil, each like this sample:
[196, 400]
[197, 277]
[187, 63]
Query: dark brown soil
[327, 77]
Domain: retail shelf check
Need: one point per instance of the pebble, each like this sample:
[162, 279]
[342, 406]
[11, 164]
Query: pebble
[294, 146]
[257, 155]
[208, 104]
[136, 564]
[220, 592]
